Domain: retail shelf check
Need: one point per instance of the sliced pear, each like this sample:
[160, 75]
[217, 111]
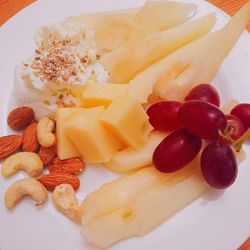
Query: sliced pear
[172, 77]
[114, 29]
[136, 204]
[130, 159]
[124, 63]
[117, 193]
[147, 209]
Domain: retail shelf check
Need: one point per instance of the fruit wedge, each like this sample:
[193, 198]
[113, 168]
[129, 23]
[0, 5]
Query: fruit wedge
[130, 159]
[145, 209]
[172, 77]
[124, 63]
[136, 204]
[114, 29]
[117, 193]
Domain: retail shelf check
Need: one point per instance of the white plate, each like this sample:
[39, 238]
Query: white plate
[215, 221]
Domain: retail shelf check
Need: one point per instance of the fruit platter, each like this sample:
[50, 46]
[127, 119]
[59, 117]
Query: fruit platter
[127, 126]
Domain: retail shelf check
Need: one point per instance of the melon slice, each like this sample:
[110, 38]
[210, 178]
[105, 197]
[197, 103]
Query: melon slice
[114, 29]
[124, 207]
[130, 159]
[172, 77]
[124, 63]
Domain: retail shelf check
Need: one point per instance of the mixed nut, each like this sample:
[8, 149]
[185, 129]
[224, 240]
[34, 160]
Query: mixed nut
[31, 152]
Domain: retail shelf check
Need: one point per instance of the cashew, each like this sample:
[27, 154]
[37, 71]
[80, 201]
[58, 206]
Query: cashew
[27, 161]
[45, 128]
[25, 187]
[65, 201]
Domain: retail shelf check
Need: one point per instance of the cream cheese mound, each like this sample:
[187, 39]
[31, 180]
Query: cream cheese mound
[64, 61]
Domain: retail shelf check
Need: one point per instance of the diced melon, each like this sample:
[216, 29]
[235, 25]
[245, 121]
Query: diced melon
[114, 29]
[124, 63]
[96, 94]
[65, 148]
[95, 143]
[131, 159]
[172, 77]
[126, 118]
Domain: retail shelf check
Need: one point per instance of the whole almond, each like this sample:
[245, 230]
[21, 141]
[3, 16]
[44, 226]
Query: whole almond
[70, 166]
[20, 118]
[50, 181]
[47, 154]
[9, 145]
[30, 141]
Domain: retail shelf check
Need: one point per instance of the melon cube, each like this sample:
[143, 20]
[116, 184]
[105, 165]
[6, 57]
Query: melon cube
[65, 148]
[95, 143]
[126, 118]
[96, 94]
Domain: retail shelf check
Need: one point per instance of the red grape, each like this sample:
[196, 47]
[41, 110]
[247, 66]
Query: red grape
[218, 165]
[176, 151]
[202, 119]
[204, 92]
[234, 129]
[242, 111]
[164, 115]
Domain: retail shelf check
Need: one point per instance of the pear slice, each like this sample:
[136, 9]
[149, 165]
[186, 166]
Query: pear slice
[172, 77]
[134, 218]
[130, 159]
[113, 195]
[116, 28]
[139, 212]
[124, 63]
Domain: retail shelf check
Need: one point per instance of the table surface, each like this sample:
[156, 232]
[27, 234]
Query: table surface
[8, 8]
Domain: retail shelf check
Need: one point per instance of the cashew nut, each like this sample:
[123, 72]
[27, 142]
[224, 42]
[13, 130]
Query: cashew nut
[65, 201]
[25, 187]
[27, 161]
[45, 134]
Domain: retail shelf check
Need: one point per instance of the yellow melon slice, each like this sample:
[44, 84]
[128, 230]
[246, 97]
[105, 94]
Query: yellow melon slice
[124, 63]
[114, 29]
[172, 77]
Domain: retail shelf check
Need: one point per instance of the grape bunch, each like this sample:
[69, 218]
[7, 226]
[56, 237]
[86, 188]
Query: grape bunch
[198, 121]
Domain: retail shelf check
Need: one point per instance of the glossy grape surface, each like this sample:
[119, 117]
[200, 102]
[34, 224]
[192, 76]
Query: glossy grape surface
[204, 92]
[218, 165]
[164, 115]
[176, 151]
[202, 119]
[242, 111]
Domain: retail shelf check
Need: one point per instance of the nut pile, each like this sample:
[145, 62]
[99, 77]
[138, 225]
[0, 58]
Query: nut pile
[33, 151]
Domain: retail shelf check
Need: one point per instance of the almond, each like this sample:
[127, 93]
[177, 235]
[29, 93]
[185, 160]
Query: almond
[9, 145]
[47, 154]
[50, 181]
[20, 118]
[70, 166]
[30, 141]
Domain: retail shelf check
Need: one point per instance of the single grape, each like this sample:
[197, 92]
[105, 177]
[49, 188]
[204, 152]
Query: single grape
[202, 119]
[176, 151]
[164, 115]
[218, 165]
[204, 92]
[242, 111]
[233, 131]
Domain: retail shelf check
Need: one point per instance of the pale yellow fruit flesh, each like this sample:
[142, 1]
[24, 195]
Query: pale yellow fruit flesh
[130, 159]
[124, 207]
[117, 193]
[114, 29]
[172, 77]
[161, 199]
[125, 62]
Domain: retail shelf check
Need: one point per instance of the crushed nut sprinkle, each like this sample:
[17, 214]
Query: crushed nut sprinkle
[57, 62]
